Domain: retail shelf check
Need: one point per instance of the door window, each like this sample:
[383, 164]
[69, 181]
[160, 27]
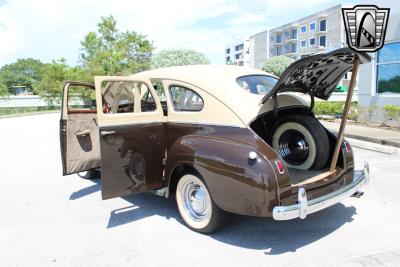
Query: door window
[185, 99]
[81, 99]
[126, 97]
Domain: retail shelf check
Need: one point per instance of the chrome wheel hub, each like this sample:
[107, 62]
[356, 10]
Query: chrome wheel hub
[195, 201]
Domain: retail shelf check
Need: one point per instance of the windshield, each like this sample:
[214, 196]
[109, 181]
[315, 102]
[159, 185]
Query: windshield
[257, 84]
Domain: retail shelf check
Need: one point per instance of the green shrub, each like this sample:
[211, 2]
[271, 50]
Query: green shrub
[328, 108]
[393, 111]
[334, 108]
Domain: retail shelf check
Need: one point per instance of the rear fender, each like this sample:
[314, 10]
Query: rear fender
[236, 183]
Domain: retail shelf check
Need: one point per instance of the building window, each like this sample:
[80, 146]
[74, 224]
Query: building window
[272, 38]
[303, 29]
[228, 59]
[312, 41]
[322, 25]
[279, 38]
[322, 40]
[272, 52]
[312, 26]
[287, 34]
[237, 56]
[279, 51]
[303, 43]
[294, 48]
[239, 47]
[294, 33]
[228, 51]
[388, 69]
[287, 47]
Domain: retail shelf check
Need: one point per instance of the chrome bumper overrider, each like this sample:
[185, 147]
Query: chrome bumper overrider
[305, 207]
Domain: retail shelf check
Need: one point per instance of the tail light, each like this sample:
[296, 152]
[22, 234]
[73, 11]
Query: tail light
[280, 167]
[347, 146]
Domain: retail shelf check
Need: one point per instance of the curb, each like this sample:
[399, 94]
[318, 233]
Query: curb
[373, 140]
[391, 150]
[27, 114]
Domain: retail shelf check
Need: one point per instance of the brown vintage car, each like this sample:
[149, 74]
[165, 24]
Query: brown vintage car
[221, 139]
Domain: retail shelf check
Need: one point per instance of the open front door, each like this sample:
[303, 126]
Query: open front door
[79, 134]
[132, 135]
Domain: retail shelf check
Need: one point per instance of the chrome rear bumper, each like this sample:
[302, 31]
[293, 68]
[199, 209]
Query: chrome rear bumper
[305, 207]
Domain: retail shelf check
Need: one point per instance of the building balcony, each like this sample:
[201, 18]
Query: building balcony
[320, 48]
[292, 53]
[321, 32]
[291, 39]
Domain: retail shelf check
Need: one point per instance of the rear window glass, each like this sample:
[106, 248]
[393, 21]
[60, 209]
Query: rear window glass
[257, 84]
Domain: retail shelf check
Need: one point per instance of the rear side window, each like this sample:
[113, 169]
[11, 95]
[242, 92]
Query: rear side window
[185, 99]
[257, 84]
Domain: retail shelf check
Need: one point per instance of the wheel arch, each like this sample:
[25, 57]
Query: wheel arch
[177, 172]
[236, 184]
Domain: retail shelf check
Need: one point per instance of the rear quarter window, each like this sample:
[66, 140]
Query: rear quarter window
[184, 99]
[257, 84]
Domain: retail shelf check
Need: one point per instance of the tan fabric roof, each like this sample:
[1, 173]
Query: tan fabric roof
[217, 80]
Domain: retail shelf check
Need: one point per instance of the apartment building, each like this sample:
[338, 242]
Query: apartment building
[237, 52]
[258, 49]
[312, 34]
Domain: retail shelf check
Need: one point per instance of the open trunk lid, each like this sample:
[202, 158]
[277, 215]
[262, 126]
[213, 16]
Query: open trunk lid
[317, 75]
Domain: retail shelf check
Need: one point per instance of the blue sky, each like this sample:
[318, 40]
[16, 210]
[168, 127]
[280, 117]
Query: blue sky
[50, 29]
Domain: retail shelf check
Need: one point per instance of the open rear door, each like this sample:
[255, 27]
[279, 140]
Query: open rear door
[132, 135]
[79, 133]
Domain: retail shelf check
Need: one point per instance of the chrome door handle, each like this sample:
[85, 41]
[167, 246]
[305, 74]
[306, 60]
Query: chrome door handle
[104, 133]
[82, 133]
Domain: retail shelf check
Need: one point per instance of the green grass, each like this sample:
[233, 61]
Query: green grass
[15, 111]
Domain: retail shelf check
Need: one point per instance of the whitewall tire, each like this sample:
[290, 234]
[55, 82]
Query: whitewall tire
[196, 206]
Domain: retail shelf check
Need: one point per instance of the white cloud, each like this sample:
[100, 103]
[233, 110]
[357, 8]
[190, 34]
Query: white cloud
[48, 29]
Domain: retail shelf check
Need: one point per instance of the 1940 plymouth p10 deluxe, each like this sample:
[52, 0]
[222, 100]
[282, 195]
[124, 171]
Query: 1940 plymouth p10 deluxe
[222, 139]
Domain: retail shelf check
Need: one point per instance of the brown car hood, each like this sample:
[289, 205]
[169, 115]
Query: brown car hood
[317, 75]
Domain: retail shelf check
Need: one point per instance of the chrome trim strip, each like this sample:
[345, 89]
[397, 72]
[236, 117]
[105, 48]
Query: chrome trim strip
[305, 207]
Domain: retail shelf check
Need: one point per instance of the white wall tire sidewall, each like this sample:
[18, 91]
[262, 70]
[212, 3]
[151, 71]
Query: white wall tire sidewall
[179, 200]
[309, 138]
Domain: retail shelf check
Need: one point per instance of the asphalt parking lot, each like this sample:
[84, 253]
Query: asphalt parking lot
[47, 219]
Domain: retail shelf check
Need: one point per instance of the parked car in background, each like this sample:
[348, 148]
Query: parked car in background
[221, 139]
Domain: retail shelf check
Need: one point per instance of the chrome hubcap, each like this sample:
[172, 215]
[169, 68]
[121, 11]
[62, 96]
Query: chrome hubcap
[195, 201]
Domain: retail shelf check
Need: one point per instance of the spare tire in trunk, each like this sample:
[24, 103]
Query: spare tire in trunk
[302, 142]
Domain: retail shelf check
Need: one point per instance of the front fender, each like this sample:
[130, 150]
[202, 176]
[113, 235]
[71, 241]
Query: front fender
[236, 183]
